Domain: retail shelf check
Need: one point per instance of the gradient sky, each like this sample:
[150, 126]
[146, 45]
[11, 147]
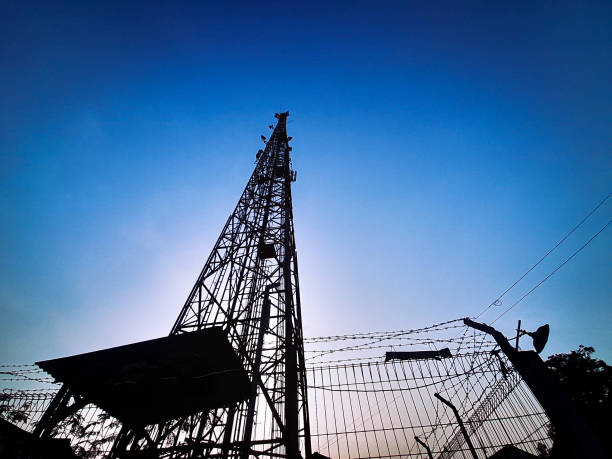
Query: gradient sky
[441, 149]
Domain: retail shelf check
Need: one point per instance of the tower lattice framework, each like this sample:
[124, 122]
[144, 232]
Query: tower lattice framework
[249, 287]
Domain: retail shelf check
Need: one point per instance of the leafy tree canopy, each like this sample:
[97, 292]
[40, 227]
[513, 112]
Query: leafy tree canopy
[588, 382]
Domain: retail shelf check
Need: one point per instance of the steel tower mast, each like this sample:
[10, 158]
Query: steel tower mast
[249, 287]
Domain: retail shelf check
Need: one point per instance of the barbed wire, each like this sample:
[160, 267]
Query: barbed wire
[43, 393]
[20, 376]
[20, 365]
[386, 334]
[375, 359]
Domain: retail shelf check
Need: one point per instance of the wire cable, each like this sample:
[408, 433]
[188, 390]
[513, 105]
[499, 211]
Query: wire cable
[497, 302]
[568, 259]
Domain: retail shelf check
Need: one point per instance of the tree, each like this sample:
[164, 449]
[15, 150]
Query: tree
[588, 382]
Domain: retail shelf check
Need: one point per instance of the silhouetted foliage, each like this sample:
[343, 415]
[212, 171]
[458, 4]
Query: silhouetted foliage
[588, 382]
[13, 414]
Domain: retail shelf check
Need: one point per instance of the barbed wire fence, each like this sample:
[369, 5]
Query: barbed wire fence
[361, 405]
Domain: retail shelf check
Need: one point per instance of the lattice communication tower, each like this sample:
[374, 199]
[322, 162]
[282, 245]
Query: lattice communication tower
[248, 287]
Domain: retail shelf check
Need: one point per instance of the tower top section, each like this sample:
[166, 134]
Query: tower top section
[283, 115]
[278, 143]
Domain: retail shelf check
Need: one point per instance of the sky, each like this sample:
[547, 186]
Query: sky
[442, 148]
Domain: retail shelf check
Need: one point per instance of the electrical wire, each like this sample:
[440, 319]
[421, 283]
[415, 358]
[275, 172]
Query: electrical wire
[497, 302]
[568, 259]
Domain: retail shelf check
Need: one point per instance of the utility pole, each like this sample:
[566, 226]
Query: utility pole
[570, 426]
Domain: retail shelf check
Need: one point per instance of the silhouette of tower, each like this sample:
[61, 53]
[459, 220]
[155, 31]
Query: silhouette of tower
[248, 287]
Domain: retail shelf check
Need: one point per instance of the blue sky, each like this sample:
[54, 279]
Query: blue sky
[441, 149]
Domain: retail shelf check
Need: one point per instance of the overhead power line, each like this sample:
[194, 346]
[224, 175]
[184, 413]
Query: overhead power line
[497, 301]
[567, 260]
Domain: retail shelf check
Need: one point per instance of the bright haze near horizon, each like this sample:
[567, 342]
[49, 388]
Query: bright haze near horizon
[442, 148]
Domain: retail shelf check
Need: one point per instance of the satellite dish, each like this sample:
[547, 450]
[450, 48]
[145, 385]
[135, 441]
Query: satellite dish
[540, 337]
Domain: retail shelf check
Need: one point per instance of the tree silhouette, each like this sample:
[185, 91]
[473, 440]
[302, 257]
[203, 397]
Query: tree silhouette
[588, 382]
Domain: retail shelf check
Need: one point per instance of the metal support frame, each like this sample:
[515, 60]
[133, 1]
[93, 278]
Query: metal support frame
[58, 410]
[51, 415]
[265, 320]
[424, 445]
[461, 426]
